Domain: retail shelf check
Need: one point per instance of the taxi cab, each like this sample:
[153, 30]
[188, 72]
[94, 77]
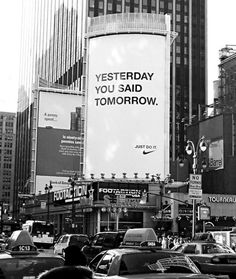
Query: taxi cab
[139, 257]
[22, 260]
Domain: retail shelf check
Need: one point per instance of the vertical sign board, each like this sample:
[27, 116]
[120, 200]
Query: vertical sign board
[195, 186]
[59, 139]
[128, 105]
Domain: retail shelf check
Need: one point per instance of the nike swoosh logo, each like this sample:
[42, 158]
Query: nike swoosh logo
[147, 152]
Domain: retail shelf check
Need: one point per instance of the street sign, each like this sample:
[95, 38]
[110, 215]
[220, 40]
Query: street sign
[195, 186]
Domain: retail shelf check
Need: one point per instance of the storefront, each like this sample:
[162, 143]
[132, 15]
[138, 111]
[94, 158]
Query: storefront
[98, 206]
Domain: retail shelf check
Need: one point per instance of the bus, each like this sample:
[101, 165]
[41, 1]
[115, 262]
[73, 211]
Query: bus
[42, 232]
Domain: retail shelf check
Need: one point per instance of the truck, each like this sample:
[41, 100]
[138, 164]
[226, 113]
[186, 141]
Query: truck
[41, 232]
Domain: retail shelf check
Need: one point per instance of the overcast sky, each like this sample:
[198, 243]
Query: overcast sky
[221, 31]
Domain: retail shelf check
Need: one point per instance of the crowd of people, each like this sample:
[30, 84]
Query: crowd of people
[169, 241]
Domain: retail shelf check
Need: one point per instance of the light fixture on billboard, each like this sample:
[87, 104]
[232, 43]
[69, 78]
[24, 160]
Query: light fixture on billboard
[124, 175]
[125, 210]
[135, 175]
[92, 175]
[113, 175]
[147, 175]
[102, 175]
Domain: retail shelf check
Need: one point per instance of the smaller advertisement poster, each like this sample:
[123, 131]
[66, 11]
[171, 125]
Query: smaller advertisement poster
[216, 155]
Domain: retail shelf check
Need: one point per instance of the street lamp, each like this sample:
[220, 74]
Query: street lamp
[73, 181]
[191, 150]
[48, 188]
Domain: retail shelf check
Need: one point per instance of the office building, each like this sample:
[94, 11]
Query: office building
[7, 162]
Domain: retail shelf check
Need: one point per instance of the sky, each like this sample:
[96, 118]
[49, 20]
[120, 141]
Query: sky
[221, 32]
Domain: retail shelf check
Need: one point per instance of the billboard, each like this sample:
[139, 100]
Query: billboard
[59, 141]
[127, 105]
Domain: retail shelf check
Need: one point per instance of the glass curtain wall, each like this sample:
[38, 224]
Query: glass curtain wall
[51, 57]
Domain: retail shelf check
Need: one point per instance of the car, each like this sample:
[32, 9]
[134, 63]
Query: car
[103, 241]
[210, 257]
[69, 239]
[22, 259]
[137, 258]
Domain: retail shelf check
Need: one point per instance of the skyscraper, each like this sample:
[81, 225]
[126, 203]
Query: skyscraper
[53, 53]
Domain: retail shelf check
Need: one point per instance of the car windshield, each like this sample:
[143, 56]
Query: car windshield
[18, 268]
[156, 262]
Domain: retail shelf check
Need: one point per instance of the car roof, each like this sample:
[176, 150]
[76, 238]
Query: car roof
[20, 244]
[74, 234]
[111, 232]
[142, 250]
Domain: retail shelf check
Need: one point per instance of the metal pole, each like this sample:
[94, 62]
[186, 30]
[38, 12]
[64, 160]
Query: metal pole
[48, 208]
[194, 200]
[73, 207]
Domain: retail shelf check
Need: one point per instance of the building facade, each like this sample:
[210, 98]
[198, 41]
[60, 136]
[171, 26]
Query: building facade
[7, 162]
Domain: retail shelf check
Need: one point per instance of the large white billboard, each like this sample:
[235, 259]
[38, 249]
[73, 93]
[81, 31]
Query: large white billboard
[128, 105]
[59, 139]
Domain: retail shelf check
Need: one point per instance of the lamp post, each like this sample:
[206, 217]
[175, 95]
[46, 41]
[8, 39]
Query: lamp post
[191, 149]
[73, 181]
[48, 188]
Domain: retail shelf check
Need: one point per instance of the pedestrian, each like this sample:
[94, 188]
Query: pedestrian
[71, 272]
[74, 256]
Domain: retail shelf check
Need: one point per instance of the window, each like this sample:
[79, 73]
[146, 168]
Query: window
[189, 249]
[91, 3]
[169, 6]
[162, 4]
[98, 240]
[104, 265]
[64, 239]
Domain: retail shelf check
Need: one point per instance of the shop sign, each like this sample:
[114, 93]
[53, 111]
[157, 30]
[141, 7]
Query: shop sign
[82, 194]
[222, 199]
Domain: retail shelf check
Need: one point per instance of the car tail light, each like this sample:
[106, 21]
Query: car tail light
[215, 260]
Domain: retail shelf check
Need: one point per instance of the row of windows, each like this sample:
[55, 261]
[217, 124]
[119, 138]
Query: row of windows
[7, 131]
[8, 117]
[7, 165]
[116, 6]
[6, 144]
[7, 124]
[6, 151]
